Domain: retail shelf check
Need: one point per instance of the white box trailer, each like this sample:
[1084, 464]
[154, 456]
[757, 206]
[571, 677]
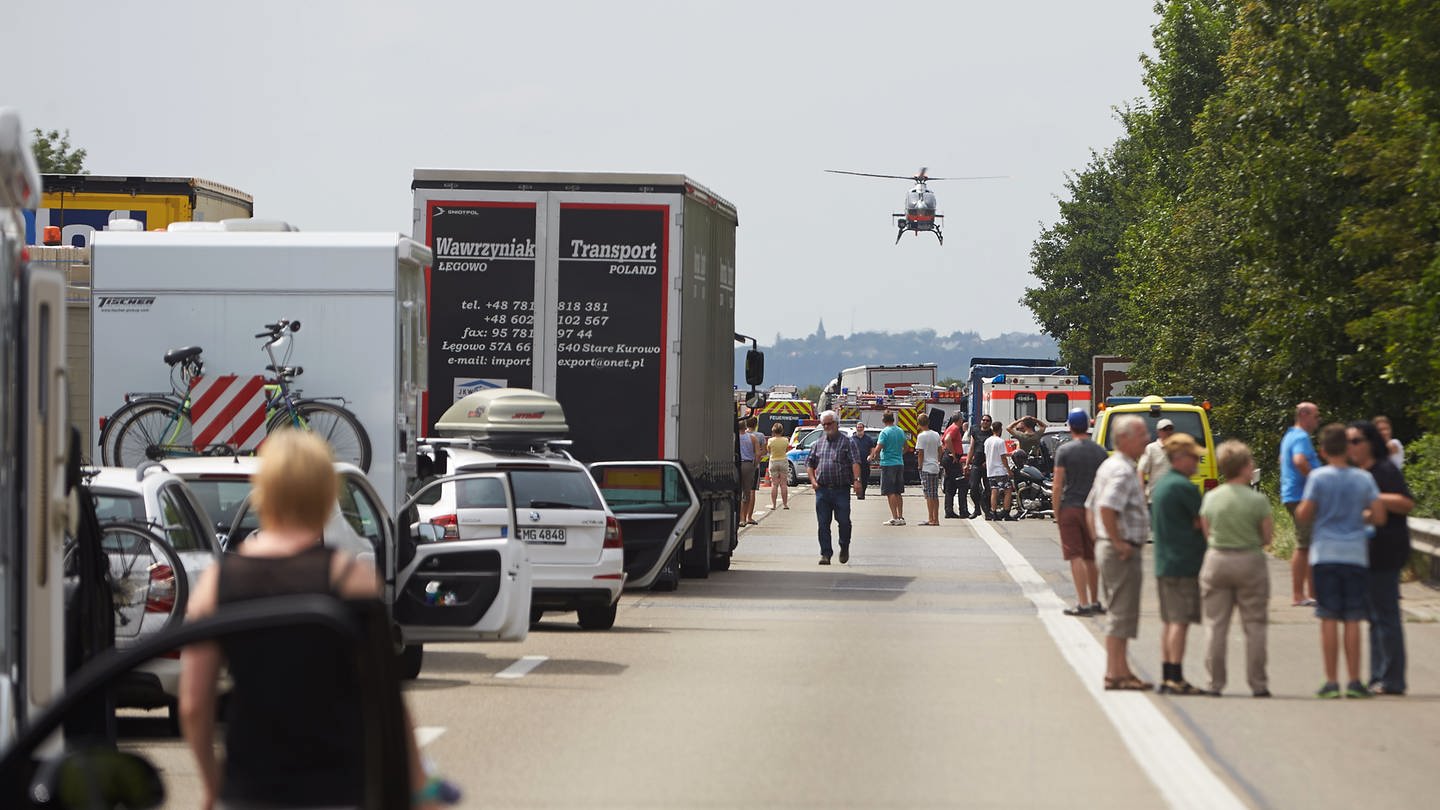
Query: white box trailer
[359, 297]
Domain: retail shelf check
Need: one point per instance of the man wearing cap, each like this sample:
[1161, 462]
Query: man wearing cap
[1075, 464]
[1179, 552]
[1155, 463]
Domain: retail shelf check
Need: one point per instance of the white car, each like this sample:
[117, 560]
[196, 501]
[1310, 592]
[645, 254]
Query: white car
[573, 539]
[222, 483]
[476, 588]
[160, 501]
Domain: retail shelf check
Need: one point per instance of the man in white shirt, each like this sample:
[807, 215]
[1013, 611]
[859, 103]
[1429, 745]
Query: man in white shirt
[1154, 463]
[995, 473]
[927, 458]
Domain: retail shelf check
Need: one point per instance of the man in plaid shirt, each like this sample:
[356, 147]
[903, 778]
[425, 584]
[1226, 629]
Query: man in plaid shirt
[834, 470]
[1120, 521]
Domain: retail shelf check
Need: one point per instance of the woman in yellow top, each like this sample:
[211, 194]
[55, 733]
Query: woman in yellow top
[778, 446]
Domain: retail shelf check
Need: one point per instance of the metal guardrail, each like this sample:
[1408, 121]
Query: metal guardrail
[1425, 538]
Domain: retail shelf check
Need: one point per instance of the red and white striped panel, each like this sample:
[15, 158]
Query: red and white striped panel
[228, 409]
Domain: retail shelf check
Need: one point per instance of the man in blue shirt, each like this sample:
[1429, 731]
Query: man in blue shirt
[890, 447]
[1337, 502]
[833, 471]
[1297, 460]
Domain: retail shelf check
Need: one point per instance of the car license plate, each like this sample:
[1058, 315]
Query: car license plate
[542, 535]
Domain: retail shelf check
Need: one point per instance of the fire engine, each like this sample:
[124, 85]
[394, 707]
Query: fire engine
[784, 406]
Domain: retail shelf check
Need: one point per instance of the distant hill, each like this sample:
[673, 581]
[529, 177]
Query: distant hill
[815, 360]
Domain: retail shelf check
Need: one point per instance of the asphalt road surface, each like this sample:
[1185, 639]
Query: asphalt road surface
[934, 670]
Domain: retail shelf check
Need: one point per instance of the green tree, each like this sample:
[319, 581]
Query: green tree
[1390, 230]
[53, 153]
[1277, 200]
[1078, 297]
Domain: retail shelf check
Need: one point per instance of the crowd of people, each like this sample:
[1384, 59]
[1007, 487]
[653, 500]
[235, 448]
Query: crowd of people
[1348, 502]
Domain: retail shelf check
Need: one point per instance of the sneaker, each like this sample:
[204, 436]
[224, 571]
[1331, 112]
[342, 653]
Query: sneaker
[1263, 693]
[1329, 691]
[1355, 689]
[899, 521]
[890, 522]
[1078, 610]
[1096, 609]
[824, 560]
[844, 555]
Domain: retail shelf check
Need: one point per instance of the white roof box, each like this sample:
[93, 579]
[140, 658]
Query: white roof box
[504, 415]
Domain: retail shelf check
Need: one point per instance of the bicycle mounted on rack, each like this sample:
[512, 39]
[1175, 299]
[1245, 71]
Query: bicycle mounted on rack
[157, 425]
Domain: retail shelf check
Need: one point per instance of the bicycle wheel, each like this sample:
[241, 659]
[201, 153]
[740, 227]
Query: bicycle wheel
[347, 438]
[118, 419]
[155, 430]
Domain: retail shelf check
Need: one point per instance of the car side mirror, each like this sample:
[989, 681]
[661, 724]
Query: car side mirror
[429, 533]
[98, 777]
[754, 367]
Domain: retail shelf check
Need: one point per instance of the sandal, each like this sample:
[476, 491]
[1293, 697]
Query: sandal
[1128, 683]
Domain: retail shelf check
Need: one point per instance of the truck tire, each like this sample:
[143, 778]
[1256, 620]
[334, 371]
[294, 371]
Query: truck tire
[720, 562]
[669, 578]
[695, 563]
[536, 614]
[410, 659]
[598, 618]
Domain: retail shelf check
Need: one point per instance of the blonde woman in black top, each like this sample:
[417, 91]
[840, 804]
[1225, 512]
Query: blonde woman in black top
[294, 733]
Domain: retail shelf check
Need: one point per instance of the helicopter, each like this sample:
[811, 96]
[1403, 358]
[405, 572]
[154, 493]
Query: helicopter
[920, 214]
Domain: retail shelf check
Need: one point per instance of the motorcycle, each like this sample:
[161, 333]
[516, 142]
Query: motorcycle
[1033, 494]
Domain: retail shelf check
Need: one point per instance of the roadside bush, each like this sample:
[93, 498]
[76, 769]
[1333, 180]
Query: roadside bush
[1282, 541]
[1422, 473]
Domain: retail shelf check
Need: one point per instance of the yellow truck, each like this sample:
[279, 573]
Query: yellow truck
[77, 205]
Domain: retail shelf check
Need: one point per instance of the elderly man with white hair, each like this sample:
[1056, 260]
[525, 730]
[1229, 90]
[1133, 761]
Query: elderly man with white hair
[834, 470]
[1120, 521]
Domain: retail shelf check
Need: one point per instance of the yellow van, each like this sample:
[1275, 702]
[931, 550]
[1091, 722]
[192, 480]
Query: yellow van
[1187, 416]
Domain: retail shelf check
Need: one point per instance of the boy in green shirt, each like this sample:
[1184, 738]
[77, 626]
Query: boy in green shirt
[1179, 551]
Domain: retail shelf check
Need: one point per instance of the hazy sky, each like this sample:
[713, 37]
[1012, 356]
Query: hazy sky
[322, 109]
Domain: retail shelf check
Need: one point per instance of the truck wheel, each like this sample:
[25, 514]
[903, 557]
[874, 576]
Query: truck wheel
[410, 659]
[598, 618]
[720, 562]
[535, 615]
[695, 563]
[669, 577]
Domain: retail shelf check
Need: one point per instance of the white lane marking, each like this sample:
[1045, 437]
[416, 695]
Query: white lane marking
[1177, 771]
[521, 668]
[424, 735]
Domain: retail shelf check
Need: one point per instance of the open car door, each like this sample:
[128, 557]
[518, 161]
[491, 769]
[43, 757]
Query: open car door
[656, 506]
[471, 583]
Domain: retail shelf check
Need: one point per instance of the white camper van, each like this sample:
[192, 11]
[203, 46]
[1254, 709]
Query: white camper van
[360, 298]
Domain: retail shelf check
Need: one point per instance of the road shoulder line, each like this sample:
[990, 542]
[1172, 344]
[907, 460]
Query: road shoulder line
[522, 667]
[1171, 764]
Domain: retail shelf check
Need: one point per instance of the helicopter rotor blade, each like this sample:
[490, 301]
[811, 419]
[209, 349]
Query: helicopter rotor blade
[984, 177]
[868, 174]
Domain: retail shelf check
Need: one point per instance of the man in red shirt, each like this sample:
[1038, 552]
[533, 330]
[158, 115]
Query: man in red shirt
[952, 464]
